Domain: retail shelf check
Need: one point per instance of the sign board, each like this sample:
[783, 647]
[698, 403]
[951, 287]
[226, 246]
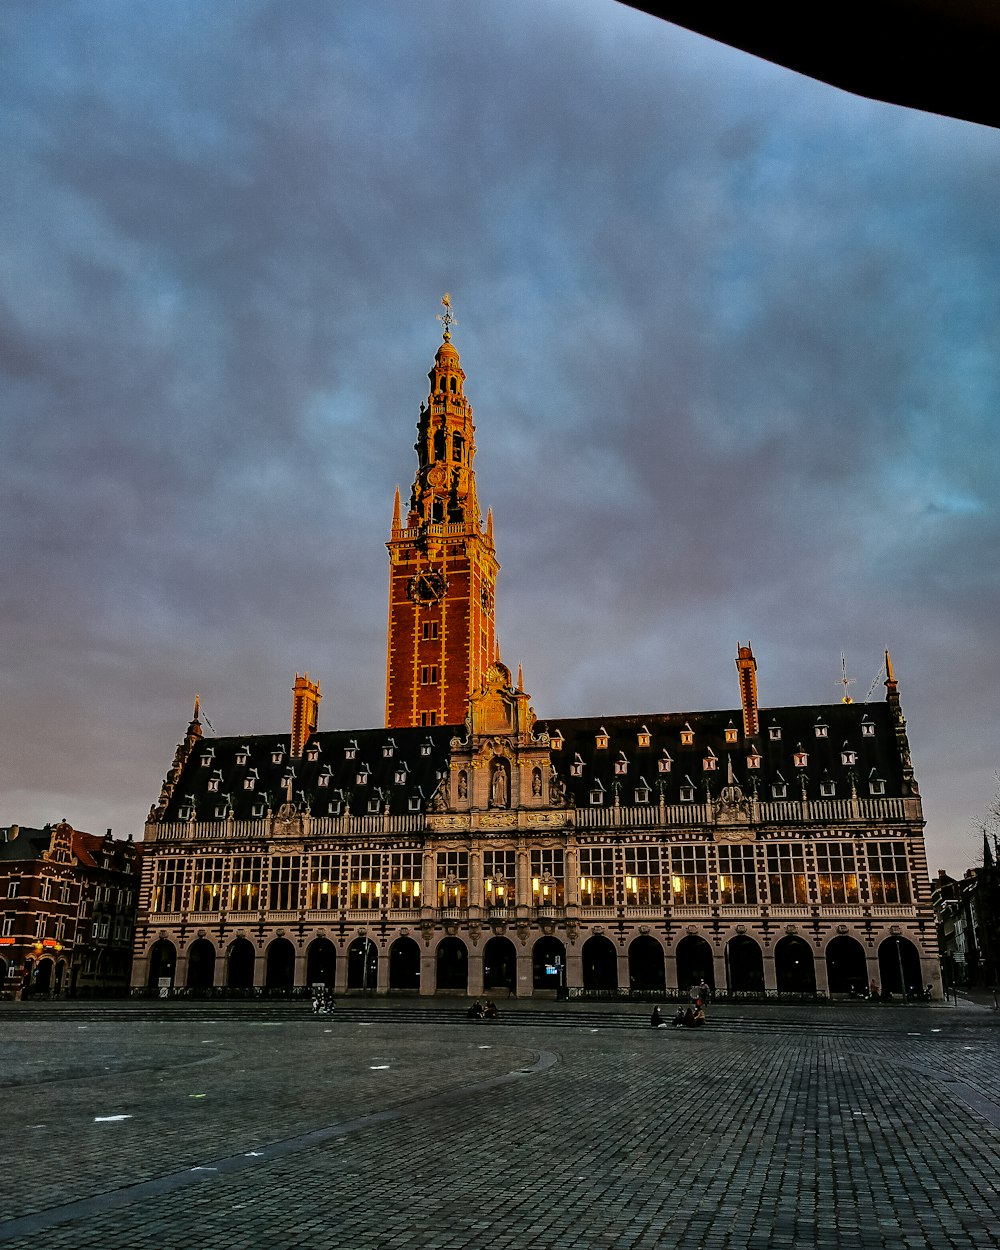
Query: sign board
[164, 984]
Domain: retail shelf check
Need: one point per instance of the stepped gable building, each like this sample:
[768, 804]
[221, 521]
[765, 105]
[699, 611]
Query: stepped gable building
[67, 910]
[470, 847]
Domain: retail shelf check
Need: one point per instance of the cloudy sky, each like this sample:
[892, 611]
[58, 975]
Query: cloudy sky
[731, 337]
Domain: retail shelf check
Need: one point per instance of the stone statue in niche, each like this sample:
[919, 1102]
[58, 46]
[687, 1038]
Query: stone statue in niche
[463, 784]
[536, 782]
[499, 793]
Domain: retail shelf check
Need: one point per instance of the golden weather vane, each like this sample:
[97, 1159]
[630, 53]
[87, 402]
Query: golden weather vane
[447, 317]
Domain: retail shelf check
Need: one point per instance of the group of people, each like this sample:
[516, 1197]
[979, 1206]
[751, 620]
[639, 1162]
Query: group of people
[692, 1017]
[322, 1001]
[483, 1011]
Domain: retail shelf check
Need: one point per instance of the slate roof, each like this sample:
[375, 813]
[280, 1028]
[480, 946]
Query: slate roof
[379, 755]
[875, 752]
[216, 773]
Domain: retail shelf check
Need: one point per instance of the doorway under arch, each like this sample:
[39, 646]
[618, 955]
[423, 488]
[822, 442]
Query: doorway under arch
[452, 961]
[404, 964]
[162, 962]
[279, 973]
[899, 966]
[240, 964]
[647, 968]
[500, 965]
[548, 964]
[362, 964]
[321, 963]
[846, 966]
[794, 966]
[694, 962]
[42, 977]
[744, 965]
[600, 964]
[201, 965]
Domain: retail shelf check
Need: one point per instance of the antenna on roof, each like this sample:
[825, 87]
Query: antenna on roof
[845, 681]
[875, 681]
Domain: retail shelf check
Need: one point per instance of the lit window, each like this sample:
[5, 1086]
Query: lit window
[644, 737]
[664, 763]
[556, 741]
[732, 733]
[687, 735]
[774, 732]
[602, 739]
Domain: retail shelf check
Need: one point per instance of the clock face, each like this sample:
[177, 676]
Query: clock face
[426, 587]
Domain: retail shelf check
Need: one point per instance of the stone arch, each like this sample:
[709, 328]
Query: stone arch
[600, 964]
[694, 962]
[41, 978]
[201, 965]
[794, 966]
[162, 962]
[899, 966]
[279, 967]
[240, 960]
[362, 964]
[321, 963]
[744, 965]
[548, 964]
[451, 961]
[846, 965]
[500, 965]
[404, 964]
[647, 968]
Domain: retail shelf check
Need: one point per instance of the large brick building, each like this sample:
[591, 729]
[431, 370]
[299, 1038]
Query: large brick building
[469, 846]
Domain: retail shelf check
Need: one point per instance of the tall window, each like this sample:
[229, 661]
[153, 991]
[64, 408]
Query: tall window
[364, 887]
[499, 878]
[689, 875]
[206, 883]
[283, 894]
[597, 876]
[737, 876]
[548, 876]
[405, 871]
[643, 885]
[168, 885]
[453, 878]
[244, 891]
[888, 873]
[786, 873]
[837, 872]
[324, 883]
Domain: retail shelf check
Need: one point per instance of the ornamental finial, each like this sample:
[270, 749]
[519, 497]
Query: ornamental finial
[448, 318]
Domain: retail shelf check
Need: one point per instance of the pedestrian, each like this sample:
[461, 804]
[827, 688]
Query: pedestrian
[704, 991]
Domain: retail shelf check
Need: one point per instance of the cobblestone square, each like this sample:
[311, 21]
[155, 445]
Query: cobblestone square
[569, 1126]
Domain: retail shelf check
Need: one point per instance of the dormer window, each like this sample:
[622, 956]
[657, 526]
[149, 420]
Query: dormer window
[257, 810]
[621, 764]
[400, 775]
[732, 733]
[556, 741]
[277, 755]
[351, 750]
[687, 736]
[363, 774]
[334, 807]
[867, 728]
[664, 763]
[642, 791]
[287, 780]
[800, 757]
[876, 785]
[827, 788]
[374, 806]
[250, 782]
[597, 795]
[753, 760]
[242, 755]
[312, 753]
[425, 747]
[184, 813]
[213, 783]
[220, 812]
[206, 759]
[387, 749]
[821, 730]
[687, 790]
[576, 768]
[643, 737]
[414, 803]
[779, 789]
[847, 756]
[711, 761]
[602, 739]
[323, 779]
[774, 733]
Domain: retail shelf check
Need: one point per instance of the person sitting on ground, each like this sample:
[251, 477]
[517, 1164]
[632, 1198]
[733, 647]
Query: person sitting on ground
[490, 1010]
[656, 1020]
[475, 1012]
[679, 1018]
[698, 1015]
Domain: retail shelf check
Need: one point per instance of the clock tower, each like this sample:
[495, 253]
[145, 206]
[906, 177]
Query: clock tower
[442, 563]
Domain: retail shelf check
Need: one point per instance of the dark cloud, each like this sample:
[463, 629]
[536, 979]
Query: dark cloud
[730, 336]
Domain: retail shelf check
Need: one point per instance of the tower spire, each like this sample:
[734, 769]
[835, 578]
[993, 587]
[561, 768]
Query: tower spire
[396, 519]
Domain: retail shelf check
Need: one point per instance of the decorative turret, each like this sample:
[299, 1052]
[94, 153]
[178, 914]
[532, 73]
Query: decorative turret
[184, 749]
[902, 742]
